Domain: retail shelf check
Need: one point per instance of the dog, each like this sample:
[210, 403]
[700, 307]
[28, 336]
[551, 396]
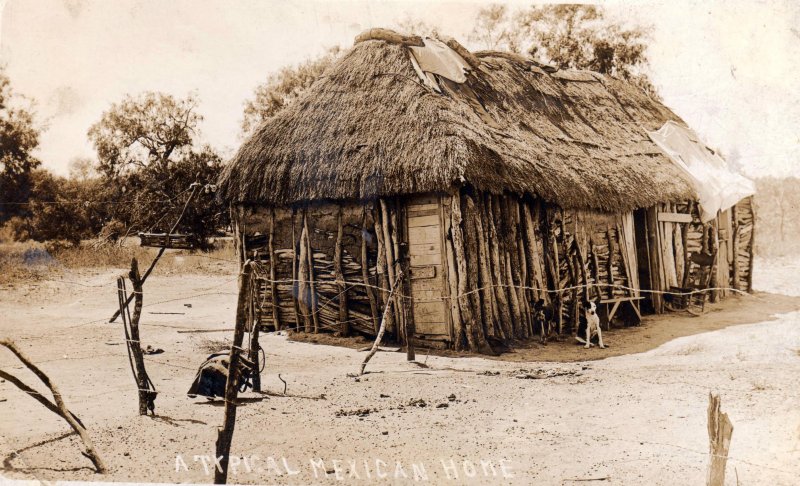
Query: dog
[543, 318]
[592, 324]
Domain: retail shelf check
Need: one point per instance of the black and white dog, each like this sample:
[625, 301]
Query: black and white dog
[543, 318]
[592, 321]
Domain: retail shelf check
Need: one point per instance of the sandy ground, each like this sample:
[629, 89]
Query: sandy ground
[630, 418]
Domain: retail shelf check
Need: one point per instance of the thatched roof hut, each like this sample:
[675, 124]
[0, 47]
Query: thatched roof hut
[440, 193]
[368, 127]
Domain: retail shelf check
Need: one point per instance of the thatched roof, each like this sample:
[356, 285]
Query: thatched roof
[369, 127]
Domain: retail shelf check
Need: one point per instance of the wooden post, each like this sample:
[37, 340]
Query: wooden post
[473, 233]
[383, 270]
[573, 274]
[491, 307]
[452, 222]
[498, 281]
[295, 278]
[752, 245]
[313, 299]
[612, 249]
[388, 247]
[714, 244]
[596, 265]
[303, 294]
[146, 396]
[403, 264]
[735, 244]
[720, 430]
[687, 262]
[273, 285]
[373, 304]
[344, 324]
[225, 433]
[255, 331]
[656, 270]
[59, 407]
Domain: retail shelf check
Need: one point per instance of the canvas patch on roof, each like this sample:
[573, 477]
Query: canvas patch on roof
[437, 58]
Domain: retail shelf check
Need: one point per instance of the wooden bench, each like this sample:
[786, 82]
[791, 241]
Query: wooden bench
[609, 308]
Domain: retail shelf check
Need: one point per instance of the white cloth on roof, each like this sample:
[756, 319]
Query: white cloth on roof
[439, 59]
[717, 187]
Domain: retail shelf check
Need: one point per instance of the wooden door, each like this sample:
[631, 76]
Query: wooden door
[428, 284]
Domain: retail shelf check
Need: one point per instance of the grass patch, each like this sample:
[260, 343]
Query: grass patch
[32, 261]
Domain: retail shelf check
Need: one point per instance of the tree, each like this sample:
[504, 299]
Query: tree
[569, 36]
[149, 131]
[494, 29]
[148, 156]
[56, 211]
[18, 138]
[282, 88]
[82, 169]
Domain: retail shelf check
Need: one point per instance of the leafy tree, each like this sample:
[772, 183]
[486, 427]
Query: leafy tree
[146, 132]
[495, 30]
[282, 88]
[56, 211]
[568, 36]
[148, 156]
[82, 169]
[18, 138]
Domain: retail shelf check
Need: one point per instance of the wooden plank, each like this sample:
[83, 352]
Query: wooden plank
[431, 329]
[423, 221]
[674, 217]
[429, 312]
[424, 249]
[425, 260]
[425, 295]
[426, 284]
[426, 234]
[421, 207]
[423, 199]
[413, 213]
[423, 272]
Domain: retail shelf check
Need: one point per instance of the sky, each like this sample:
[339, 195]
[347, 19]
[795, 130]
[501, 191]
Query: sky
[730, 70]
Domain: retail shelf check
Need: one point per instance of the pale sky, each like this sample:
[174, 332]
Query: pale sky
[731, 70]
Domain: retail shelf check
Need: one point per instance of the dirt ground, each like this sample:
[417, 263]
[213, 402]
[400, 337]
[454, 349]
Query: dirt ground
[634, 413]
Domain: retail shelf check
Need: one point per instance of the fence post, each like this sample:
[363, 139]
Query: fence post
[720, 430]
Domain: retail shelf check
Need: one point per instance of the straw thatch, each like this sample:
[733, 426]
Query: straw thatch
[370, 128]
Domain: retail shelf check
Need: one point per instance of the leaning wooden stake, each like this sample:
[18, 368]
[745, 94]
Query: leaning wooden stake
[225, 433]
[58, 407]
[720, 430]
[382, 329]
[146, 393]
[255, 330]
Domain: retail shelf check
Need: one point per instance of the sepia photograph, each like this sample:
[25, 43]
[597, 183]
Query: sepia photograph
[399, 242]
